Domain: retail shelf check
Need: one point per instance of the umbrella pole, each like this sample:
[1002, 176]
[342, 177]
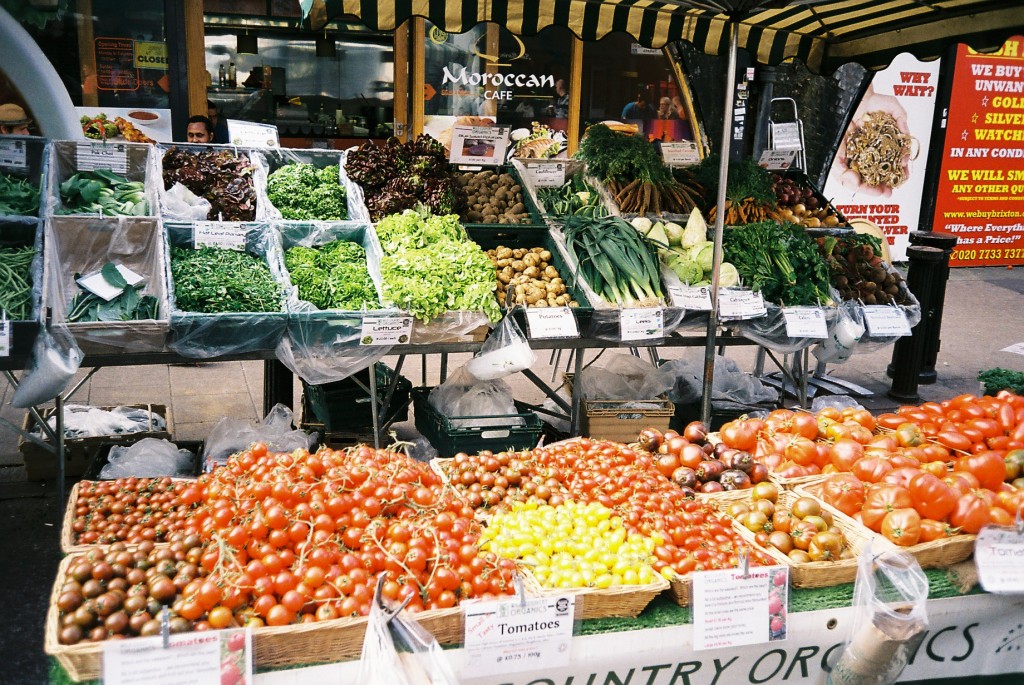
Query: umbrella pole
[723, 179]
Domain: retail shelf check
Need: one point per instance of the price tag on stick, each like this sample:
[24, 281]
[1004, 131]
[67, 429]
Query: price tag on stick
[805, 322]
[219, 234]
[5, 336]
[518, 635]
[740, 304]
[12, 154]
[691, 297]
[113, 156]
[545, 174]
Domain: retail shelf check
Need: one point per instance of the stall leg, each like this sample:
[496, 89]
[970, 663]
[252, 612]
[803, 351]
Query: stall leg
[277, 385]
[909, 352]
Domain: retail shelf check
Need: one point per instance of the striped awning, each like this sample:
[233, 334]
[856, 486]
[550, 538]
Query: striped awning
[824, 34]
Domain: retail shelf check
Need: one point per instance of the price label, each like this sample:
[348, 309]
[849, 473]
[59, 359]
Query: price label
[777, 160]
[731, 609]
[12, 154]
[5, 337]
[683, 153]
[885, 322]
[545, 174]
[551, 322]
[805, 322]
[188, 659]
[740, 304]
[113, 156]
[218, 234]
[999, 556]
[692, 297]
[250, 134]
[515, 635]
[642, 324]
[386, 330]
[484, 145]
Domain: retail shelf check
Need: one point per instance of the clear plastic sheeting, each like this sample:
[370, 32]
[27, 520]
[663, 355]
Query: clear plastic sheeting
[55, 360]
[149, 458]
[179, 201]
[83, 421]
[357, 210]
[770, 330]
[505, 352]
[272, 159]
[843, 336]
[205, 336]
[63, 163]
[230, 436]
[79, 245]
[474, 404]
[622, 378]
[323, 346]
[683, 381]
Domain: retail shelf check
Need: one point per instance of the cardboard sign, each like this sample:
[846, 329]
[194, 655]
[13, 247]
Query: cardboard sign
[484, 145]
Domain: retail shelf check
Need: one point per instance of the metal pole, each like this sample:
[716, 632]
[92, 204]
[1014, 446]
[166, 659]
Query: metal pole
[723, 179]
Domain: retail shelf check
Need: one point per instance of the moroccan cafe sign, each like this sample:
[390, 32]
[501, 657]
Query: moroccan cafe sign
[498, 86]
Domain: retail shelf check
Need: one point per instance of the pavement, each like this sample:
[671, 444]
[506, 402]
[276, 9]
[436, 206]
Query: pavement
[982, 317]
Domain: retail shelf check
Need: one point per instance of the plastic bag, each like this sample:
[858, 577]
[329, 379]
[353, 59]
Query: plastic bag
[474, 404]
[55, 359]
[82, 421]
[505, 352]
[890, 601]
[683, 380]
[233, 435]
[623, 378]
[843, 337]
[399, 651]
[149, 458]
[181, 202]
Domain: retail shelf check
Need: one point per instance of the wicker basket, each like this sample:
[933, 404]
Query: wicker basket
[621, 601]
[790, 483]
[815, 573]
[935, 554]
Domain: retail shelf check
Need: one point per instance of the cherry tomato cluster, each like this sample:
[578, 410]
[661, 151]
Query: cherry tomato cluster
[129, 510]
[697, 464]
[488, 480]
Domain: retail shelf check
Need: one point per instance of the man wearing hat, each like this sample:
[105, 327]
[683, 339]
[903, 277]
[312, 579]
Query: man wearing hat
[13, 120]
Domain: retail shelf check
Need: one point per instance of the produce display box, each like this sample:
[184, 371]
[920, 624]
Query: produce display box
[24, 157]
[275, 158]
[345, 405]
[817, 573]
[197, 334]
[130, 160]
[941, 553]
[83, 245]
[721, 413]
[41, 463]
[621, 601]
[573, 167]
[800, 177]
[449, 440]
[259, 176]
[17, 233]
[536, 219]
[490, 237]
[308, 325]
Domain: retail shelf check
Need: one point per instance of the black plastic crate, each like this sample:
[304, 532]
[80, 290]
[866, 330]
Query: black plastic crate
[345, 405]
[721, 413]
[449, 440]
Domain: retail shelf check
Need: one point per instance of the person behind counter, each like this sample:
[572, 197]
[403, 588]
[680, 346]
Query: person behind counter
[220, 127]
[638, 109]
[13, 120]
[200, 130]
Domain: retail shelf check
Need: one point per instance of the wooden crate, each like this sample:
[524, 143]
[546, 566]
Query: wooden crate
[617, 421]
[41, 463]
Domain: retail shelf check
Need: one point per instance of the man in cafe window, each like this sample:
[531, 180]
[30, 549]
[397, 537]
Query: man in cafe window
[199, 129]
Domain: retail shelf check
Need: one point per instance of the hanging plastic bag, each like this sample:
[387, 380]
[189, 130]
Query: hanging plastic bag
[399, 651]
[890, 602]
[505, 352]
[55, 359]
[846, 334]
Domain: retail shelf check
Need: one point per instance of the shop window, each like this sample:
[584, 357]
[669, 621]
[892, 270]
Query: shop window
[488, 75]
[626, 82]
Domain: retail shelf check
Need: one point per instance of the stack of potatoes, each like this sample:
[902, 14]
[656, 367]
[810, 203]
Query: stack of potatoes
[529, 277]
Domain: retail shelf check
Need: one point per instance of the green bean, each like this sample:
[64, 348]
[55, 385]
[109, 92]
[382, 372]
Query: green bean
[16, 282]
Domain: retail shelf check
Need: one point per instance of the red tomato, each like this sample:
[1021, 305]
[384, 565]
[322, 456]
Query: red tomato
[961, 481]
[932, 498]
[871, 469]
[970, 513]
[740, 434]
[890, 421]
[987, 467]
[909, 435]
[845, 452]
[800, 450]
[902, 527]
[844, 492]
[953, 440]
[901, 476]
[935, 530]
[880, 501]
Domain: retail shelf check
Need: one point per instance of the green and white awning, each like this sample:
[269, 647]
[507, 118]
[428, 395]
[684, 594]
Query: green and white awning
[824, 34]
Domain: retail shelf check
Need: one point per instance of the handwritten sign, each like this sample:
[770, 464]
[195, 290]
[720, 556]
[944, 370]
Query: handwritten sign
[732, 608]
[999, 556]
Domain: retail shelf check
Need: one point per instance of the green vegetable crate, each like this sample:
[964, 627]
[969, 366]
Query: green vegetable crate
[535, 220]
[22, 174]
[85, 245]
[206, 335]
[449, 440]
[490, 237]
[345, 405]
[573, 169]
[296, 195]
[130, 161]
[20, 236]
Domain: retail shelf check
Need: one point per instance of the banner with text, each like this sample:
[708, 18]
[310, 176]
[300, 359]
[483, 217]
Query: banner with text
[980, 194]
[878, 173]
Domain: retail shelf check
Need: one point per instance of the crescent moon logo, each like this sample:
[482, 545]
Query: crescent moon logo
[496, 58]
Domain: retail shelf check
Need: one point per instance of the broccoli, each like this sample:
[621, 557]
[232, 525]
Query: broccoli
[303, 192]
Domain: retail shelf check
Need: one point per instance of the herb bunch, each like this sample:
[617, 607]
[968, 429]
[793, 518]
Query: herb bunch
[213, 280]
[780, 261]
[301, 191]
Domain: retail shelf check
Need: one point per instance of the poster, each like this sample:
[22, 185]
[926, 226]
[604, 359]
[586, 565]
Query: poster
[980, 193]
[878, 172]
[126, 124]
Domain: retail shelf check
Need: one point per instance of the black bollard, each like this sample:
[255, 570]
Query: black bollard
[945, 242]
[909, 352]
